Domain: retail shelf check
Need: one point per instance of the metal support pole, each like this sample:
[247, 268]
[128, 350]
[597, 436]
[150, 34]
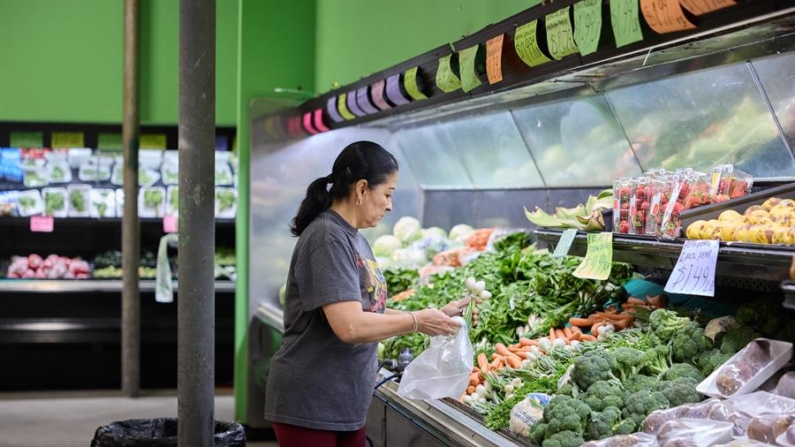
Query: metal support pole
[196, 299]
[130, 243]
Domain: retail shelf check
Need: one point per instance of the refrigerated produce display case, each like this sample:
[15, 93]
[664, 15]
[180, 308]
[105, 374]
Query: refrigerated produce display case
[698, 99]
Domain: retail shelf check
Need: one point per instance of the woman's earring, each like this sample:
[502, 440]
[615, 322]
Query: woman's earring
[359, 201]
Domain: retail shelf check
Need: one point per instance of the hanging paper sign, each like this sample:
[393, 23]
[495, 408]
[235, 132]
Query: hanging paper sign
[598, 259]
[331, 108]
[446, 80]
[694, 273]
[560, 37]
[307, 122]
[364, 101]
[699, 7]
[665, 16]
[625, 22]
[66, 139]
[393, 91]
[494, 59]
[353, 105]
[318, 121]
[411, 85]
[527, 45]
[342, 106]
[587, 25]
[377, 92]
[564, 243]
[170, 224]
[153, 141]
[42, 224]
[27, 139]
[466, 62]
[109, 141]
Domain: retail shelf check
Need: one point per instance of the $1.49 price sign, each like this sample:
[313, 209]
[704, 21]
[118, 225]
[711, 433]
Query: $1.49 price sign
[694, 272]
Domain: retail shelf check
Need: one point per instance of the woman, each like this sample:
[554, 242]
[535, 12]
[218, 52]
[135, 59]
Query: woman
[322, 378]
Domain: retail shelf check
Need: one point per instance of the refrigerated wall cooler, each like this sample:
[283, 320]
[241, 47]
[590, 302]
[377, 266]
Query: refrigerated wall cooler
[726, 97]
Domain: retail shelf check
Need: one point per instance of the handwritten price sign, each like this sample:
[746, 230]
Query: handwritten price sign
[564, 243]
[625, 21]
[694, 272]
[598, 259]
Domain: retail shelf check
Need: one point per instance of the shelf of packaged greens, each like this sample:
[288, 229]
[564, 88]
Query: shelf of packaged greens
[87, 285]
[756, 261]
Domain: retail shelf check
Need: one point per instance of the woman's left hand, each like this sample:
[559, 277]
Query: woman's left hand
[457, 307]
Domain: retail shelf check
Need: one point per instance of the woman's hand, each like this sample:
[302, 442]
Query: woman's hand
[434, 322]
[457, 307]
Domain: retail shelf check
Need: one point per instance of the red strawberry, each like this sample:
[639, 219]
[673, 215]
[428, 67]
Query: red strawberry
[623, 227]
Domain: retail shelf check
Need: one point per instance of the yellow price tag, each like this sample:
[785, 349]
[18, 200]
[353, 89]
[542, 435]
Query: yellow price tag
[446, 80]
[588, 25]
[66, 139]
[410, 84]
[560, 37]
[466, 62]
[598, 259]
[342, 106]
[153, 141]
[526, 44]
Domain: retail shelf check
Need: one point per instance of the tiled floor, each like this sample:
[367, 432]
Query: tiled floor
[69, 419]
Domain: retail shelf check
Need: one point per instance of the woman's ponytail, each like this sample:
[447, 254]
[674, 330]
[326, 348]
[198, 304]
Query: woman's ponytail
[316, 201]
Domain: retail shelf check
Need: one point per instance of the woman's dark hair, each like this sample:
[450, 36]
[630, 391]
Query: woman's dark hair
[360, 160]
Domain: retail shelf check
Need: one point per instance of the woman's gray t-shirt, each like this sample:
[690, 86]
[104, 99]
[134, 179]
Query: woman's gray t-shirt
[316, 380]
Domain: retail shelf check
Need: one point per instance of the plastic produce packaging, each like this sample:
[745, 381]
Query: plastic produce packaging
[786, 385]
[743, 443]
[442, 370]
[748, 369]
[58, 172]
[713, 409]
[103, 203]
[56, 202]
[635, 439]
[694, 432]
[787, 438]
[79, 200]
[526, 413]
[152, 202]
[767, 427]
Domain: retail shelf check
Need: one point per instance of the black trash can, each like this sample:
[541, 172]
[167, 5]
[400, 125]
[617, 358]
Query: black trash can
[161, 432]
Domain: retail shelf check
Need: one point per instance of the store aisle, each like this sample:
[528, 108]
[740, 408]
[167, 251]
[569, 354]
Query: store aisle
[69, 419]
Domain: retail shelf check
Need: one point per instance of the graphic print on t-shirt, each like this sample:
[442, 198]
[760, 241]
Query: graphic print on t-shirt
[374, 283]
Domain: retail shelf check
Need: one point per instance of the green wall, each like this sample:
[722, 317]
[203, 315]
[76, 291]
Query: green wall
[62, 61]
[356, 38]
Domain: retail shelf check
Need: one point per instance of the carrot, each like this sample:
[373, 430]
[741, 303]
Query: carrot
[502, 350]
[586, 337]
[514, 349]
[495, 356]
[527, 342]
[470, 389]
[559, 333]
[576, 329]
[552, 334]
[514, 362]
[483, 362]
[566, 332]
[575, 336]
[495, 364]
[584, 322]
[474, 379]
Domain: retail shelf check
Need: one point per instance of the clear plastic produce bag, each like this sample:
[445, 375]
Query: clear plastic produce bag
[442, 370]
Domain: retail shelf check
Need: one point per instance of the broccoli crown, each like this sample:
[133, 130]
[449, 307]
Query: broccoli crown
[564, 413]
[537, 432]
[629, 361]
[604, 393]
[593, 367]
[688, 342]
[564, 439]
[641, 403]
[681, 391]
[640, 382]
[736, 339]
[763, 314]
[678, 370]
[601, 424]
[664, 323]
[657, 359]
[711, 360]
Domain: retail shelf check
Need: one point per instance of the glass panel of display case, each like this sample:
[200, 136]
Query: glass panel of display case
[701, 119]
[576, 142]
[777, 76]
[493, 152]
[432, 157]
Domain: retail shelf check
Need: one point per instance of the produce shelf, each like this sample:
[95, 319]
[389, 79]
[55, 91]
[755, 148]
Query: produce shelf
[764, 262]
[25, 221]
[88, 285]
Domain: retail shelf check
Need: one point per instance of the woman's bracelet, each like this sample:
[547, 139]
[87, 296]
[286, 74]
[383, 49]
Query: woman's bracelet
[413, 317]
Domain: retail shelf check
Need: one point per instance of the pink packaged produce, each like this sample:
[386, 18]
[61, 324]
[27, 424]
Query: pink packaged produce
[638, 206]
[658, 192]
[622, 190]
[728, 183]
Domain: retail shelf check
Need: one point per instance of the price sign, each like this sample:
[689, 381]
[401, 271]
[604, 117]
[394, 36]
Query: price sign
[411, 86]
[66, 139]
[494, 59]
[446, 80]
[393, 91]
[527, 46]
[598, 259]
[153, 141]
[665, 16]
[109, 141]
[331, 108]
[307, 122]
[27, 139]
[342, 106]
[170, 224]
[466, 61]
[587, 25]
[42, 224]
[699, 7]
[694, 272]
[625, 21]
[377, 92]
[317, 120]
[353, 104]
[560, 37]
[564, 244]
[364, 101]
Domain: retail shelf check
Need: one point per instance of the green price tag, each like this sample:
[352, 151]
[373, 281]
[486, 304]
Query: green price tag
[342, 106]
[466, 62]
[564, 243]
[598, 259]
[560, 37]
[625, 21]
[446, 80]
[527, 45]
[410, 84]
[27, 139]
[153, 141]
[66, 139]
[588, 25]
[109, 141]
